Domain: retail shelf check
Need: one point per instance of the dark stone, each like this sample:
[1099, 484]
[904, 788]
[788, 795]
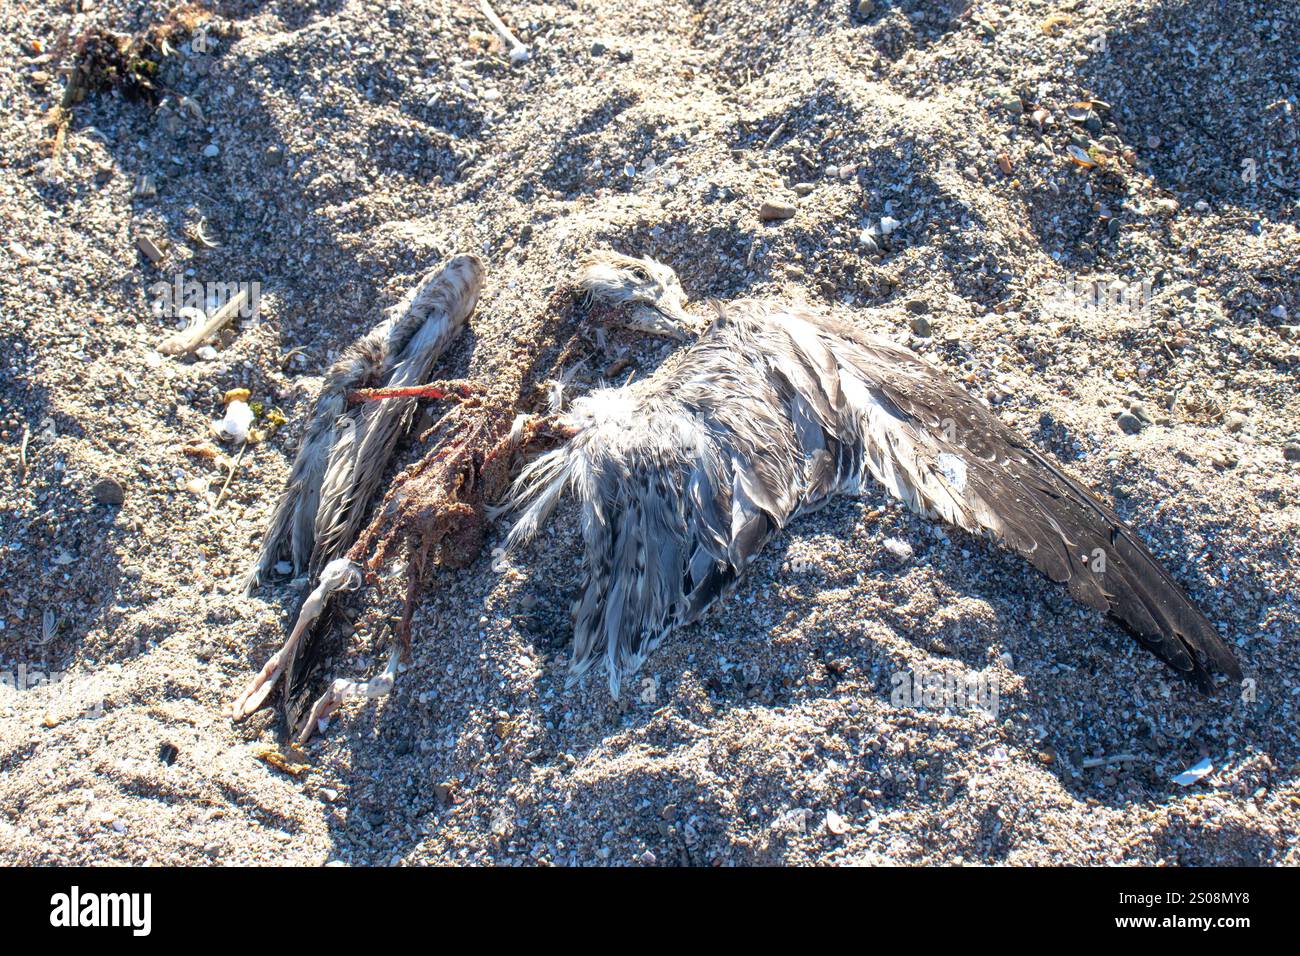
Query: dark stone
[1129, 423]
[108, 491]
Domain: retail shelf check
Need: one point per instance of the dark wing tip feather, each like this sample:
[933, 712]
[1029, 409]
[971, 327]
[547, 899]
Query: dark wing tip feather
[1142, 596]
[1055, 522]
[307, 672]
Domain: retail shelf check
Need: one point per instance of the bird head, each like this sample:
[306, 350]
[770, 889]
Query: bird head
[645, 294]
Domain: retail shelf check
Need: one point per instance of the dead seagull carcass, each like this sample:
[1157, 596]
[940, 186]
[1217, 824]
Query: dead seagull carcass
[684, 475]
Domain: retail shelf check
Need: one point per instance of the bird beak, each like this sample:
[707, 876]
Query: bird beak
[665, 318]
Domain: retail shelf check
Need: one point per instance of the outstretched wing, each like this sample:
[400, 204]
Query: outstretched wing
[947, 455]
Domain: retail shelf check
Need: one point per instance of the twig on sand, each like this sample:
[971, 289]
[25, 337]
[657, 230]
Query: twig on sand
[519, 52]
[191, 338]
[229, 475]
[1090, 763]
[776, 133]
[22, 453]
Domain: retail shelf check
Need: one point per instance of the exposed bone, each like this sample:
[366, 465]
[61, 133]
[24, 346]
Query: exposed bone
[343, 452]
[435, 514]
[519, 52]
[343, 689]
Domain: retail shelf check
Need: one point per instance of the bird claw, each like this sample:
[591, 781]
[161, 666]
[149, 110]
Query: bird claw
[260, 687]
[342, 689]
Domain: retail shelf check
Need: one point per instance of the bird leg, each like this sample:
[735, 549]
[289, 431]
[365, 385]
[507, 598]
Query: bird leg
[340, 574]
[432, 515]
[343, 452]
[435, 510]
[435, 513]
[342, 689]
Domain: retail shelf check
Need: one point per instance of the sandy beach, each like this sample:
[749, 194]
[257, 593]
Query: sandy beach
[1088, 211]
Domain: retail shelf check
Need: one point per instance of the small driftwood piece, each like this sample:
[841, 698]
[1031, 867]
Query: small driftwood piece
[187, 340]
[519, 51]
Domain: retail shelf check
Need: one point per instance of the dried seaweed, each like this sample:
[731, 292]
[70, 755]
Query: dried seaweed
[434, 513]
[130, 63]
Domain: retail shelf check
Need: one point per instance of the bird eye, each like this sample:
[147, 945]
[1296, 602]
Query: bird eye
[640, 274]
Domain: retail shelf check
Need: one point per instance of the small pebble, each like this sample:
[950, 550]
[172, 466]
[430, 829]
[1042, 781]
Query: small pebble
[211, 150]
[1129, 423]
[1291, 451]
[773, 209]
[108, 491]
[899, 548]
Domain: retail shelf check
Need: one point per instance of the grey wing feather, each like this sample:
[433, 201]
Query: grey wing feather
[381, 424]
[294, 520]
[955, 459]
[680, 487]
